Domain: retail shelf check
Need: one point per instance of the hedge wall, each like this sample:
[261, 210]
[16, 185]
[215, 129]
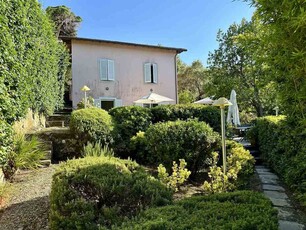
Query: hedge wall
[208, 114]
[237, 210]
[33, 62]
[282, 144]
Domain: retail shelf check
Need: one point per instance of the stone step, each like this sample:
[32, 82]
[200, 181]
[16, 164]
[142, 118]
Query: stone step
[60, 123]
[45, 163]
[289, 225]
[48, 155]
[58, 117]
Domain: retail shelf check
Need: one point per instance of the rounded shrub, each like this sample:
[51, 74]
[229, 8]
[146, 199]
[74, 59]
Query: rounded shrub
[208, 114]
[190, 140]
[91, 125]
[128, 120]
[236, 210]
[98, 192]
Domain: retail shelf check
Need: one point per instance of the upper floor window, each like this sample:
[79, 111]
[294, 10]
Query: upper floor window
[107, 70]
[150, 72]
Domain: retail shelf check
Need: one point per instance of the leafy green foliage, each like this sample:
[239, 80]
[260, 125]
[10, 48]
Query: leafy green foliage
[26, 154]
[283, 148]
[236, 210]
[33, 63]
[96, 150]
[284, 38]
[208, 114]
[239, 169]
[190, 140]
[128, 120]
[178, 177]
[102, 191]
[238, 64]
[191, 81]
[91, 125]
[89, 103]
[65, 21]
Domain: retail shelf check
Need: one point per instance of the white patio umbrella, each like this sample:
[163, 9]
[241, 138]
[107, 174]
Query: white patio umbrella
[153, 98]
[205, 101]
[233, 111]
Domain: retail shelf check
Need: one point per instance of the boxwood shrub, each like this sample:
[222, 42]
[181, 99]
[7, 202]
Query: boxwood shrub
[93, 192]
[241, 210]
[128, 120]
[173, 140]
[91, 125]
[208, 114]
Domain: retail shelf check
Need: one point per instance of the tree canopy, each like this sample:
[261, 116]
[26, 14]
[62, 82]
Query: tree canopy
[238, 64]
[66, 22]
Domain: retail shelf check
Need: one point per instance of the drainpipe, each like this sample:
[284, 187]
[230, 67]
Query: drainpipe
[176, 80]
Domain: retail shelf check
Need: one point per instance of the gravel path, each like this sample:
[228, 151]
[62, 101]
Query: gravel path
[28, 206]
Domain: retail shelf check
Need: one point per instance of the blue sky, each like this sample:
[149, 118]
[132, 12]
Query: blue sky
[190, 24]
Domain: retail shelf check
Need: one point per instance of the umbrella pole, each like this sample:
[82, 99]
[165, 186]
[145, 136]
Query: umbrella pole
[223, 140]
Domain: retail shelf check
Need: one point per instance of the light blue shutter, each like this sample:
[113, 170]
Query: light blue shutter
[155, 73]
[118, 102]
[147, 72]
[97, 103]
[111, 70]
[103, 69]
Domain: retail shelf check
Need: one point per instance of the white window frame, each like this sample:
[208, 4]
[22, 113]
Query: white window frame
[150, 68]
[117, 102]
[108, 73]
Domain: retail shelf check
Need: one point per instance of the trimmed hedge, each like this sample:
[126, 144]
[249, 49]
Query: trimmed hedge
[170, 141]
[95, 192]
[208, 114]
[241, 210]
[282, 144]
[91, 125]
[128, 120]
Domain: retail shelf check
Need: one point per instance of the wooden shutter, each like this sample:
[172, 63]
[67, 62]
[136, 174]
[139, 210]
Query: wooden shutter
[103, 69]
[147, 72]
[111, 70]
[155, 73]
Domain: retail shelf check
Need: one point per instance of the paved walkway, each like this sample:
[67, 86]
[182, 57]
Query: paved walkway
[287, 215]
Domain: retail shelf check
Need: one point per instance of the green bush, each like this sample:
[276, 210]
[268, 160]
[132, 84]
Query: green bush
[241, 210]
[190, 140]
[128, 120]
[282, 143]
[208, 114]
[96, 150]
[239, 169]
[102, 191]
[91, 125]
[26, 154]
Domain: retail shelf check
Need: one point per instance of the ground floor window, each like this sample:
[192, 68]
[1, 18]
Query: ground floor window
[107, 105]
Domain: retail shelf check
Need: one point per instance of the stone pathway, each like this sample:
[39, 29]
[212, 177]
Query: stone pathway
[287, 215]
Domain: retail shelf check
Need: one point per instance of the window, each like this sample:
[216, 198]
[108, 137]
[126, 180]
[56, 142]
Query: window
[107, 70]
[107, 105]
[150, 72]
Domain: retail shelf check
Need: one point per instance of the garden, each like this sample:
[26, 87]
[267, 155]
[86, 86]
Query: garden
[151, 168]
[134, 163]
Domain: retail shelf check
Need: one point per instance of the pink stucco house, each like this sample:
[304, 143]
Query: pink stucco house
[118, 73]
